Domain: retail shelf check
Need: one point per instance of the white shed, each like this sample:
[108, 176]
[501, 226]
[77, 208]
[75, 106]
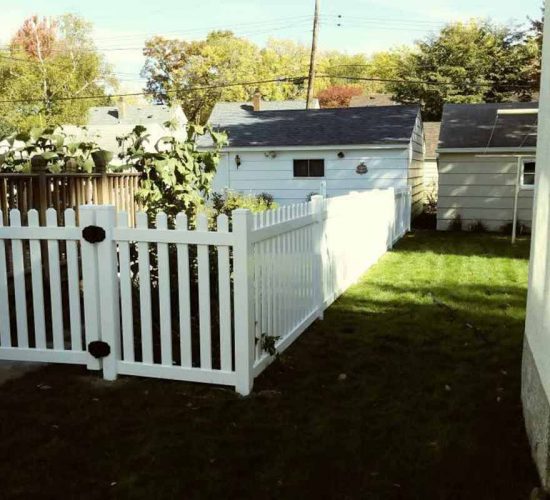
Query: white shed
[287, 153]
[478, 157]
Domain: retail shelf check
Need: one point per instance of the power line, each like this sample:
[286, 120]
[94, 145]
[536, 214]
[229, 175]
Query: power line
[421, 82]
[293, 80]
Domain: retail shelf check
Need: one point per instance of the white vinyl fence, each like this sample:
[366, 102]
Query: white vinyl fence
[205, 305]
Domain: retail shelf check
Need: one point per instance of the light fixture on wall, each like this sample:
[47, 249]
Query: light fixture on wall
[341, 154]
[238, 161]
[361, 169]
[270, 154]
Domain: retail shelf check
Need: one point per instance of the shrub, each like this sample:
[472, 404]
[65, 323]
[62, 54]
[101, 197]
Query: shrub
[311, 195]
[477, 227]
[431, 199]
[521, 229]
[456, 223]
[267, 198]
[338, 96]
[227, 201]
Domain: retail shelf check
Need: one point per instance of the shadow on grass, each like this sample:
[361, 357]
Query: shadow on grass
[394, 395]
[466, 244]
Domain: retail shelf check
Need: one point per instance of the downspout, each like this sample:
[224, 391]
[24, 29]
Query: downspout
[516, 196]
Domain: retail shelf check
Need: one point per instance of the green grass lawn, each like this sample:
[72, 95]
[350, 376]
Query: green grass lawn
[408, 389]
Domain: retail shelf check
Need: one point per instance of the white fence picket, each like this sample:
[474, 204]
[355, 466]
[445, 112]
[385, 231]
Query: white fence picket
[144, 265]
[56, 300]
[126, 301]
[203, 264]
[277, 271]
[224, 296]
[19, 283]
[5, 335]
[184, 295]
[35, 253]
[73, 285]
[165, 312]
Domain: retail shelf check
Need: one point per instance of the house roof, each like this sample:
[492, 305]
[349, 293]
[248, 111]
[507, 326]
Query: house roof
[358, 101]
[317, 127]
[431, 134]
[472, 126]
[134, 114]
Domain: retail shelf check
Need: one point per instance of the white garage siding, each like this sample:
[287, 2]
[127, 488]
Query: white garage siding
[431, 179]
[480, 189]
[258, 173]
[416, 170]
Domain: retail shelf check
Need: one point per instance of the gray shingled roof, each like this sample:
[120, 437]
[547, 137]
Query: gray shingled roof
[471, 126]
[316, 127]
[223, 108]
[371, 100]
[133, 114]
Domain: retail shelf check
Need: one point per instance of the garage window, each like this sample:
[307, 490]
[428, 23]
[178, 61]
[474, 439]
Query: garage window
[528, 173]
[309, 168]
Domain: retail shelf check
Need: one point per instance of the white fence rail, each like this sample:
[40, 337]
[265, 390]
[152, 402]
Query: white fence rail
[200, 305]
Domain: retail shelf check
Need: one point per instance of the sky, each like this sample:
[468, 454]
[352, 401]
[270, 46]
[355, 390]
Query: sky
[352, 26]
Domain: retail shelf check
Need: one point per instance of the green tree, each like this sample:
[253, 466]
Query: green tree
[47, 62]
[177, 71]
[467, 63]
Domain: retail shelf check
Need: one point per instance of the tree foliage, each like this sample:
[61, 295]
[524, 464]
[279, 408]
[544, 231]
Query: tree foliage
[175, 68]
[177, 176]
[50, 149]
[188, 72]
[468, 63]
[338, 96]
[47, 61]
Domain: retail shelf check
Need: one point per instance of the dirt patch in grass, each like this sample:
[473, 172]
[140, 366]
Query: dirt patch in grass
[393, 395]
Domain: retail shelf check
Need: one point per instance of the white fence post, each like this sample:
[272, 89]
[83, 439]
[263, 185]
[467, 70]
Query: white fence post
[109, 290]
[318, 209]
[90, 285]
[243, 267]
[409, 209]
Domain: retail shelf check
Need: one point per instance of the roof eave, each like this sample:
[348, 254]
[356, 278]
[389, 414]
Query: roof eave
[397, 145]
[530, 149]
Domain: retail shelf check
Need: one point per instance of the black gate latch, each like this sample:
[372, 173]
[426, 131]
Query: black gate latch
[99, 349]
[93, 234]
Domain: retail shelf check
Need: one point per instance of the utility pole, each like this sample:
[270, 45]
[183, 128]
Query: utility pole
[311, 79]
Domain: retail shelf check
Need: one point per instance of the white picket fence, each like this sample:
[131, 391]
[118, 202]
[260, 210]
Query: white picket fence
[198, 305]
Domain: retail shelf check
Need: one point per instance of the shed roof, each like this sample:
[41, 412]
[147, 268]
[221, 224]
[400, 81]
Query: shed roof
[134, 114]
[317, 127]
[473, 126]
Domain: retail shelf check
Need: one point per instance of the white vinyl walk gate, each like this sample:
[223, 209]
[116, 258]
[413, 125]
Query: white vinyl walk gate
[198, 305]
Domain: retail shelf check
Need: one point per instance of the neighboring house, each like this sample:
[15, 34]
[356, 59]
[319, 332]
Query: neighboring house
[431, 135]
[358, 101]
[479, 153]
[106, 123]
[287, 153]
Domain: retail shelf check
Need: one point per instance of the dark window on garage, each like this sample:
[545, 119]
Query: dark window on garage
[528, 174]
[309, 168]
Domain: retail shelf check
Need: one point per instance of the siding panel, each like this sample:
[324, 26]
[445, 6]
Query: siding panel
[480, 189]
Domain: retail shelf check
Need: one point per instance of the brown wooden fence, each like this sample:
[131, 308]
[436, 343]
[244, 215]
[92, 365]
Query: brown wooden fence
[67, 190]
